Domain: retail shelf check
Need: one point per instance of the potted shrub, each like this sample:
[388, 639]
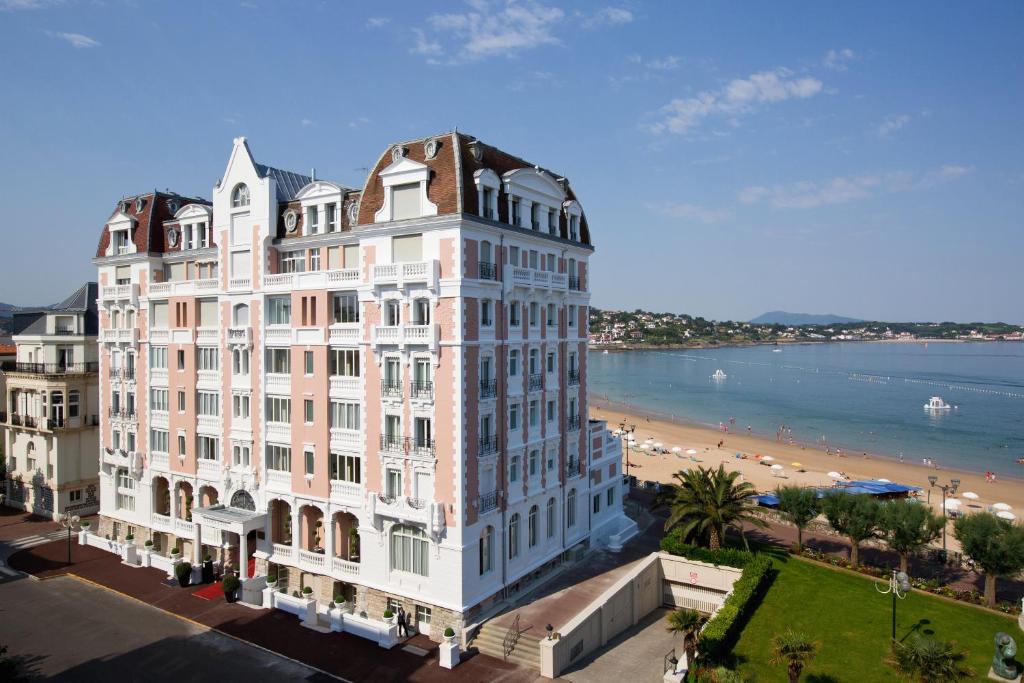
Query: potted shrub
[128, 550]
[183, 572]
[449, 635]
[307, 592]
[389, 616]
[148, 544]
[340, 602]
[271, 580]
[129, 538]
[230, 586]
[86, 525]
[207, 569]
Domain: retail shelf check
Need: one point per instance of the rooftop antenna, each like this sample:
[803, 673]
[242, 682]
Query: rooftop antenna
[312, 174]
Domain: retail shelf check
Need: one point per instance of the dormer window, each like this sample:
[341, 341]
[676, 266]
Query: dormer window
[121, 242]
[574, 231]
[535, 216]
[552, 222]
[332, 218]
[240, 196]
[139, 203]
[405, 200]
[515, 219]
[488, 197]
[405, 183]
[312, 220]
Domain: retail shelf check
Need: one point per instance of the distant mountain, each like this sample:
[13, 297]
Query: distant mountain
[796, 319]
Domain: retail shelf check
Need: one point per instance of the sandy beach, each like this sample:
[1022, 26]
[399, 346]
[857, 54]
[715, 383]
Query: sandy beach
[815, 463]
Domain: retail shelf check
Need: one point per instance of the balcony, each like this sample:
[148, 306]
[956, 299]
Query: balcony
[572, 468]
[345, 335]
[122, 336]
[281, 282]
[390, 388]
[405, 445]
[278, 480]
[422, 390]
[346, 493]
[488, 445]
[574, 283]
[240, 335]
[278, 336]
[312, 561]
[205, 335]
[159, 290]
[532, 278]
[535, 382]
[403, 335]
[240, 283]
[488, 502]
[401, 274]
[112, 293]
[343, 386]
[346, 439]
[344, 568]
[159, 336]
[572, 424]
[488, 388]
[208, 468]
[279, 432]
[574, 378]
[159, 461]
[488, 271]
[128, 414]
[404, 509]
[343, 276]
[50, 368]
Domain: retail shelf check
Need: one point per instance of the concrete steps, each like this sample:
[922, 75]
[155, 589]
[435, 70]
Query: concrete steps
[491, 641]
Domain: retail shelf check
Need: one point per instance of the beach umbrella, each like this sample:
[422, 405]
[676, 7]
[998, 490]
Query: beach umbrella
[1006, 515]
[796, 464]
[676, 449]
[658, 444]
[776, 467]
[835, 475]
[691, 451]
[970, 495]
[649, 439]
[767, 457]
[1002, 506]
[884, 481]
[644, 446]
[631, 439]
[952, 503]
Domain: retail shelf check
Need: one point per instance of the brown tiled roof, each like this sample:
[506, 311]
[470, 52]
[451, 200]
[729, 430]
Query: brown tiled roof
[148, 235]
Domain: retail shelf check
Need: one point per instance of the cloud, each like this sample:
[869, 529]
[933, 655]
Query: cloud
[693, 212]
[608, 16]
[664, 64]
[739, 96]
[892, 124]
[76, 40]
[838, 59]
[16, 5]
[306, 122]
[359, 122]
[493, 29]
[377, 22]
[425, 47]
[809, 194]
[231, 118]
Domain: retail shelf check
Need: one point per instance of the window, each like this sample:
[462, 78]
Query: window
[406, 249]
[513, 363]
[405, 201]
[240, 196]
[393, 484]
[488, 198]
[421, 312]
[513, 474]
[279, 409]
[570, 508]
[181, 401]
[551, 461]
[73, 403]
[597, 503]
[345, 307]
[551, 361]
[513, 416]
[181, 446]
[310, 458]
[308, 361]
[535, 216]
[513, 314]
[307, 410]
[552, 319]
[345, 468]
[159, 399]
[552, 222]
[181, 359]
[240, 316]
[158, 357]
[279, 361]
[534, 361]
[551, 263]
[207, 403]
[125, 499]
[159, 440]
[486, 315]
[513, 536]
[293, 261]
[409, 550]
[392, 313]
[75, 496]
[531, 527]
[207, 359]
[533, 259]
[240, 455]
[279, 310]
[344, 362]
[487, 550]
[424, 432]
[552, 411]
[513, 256]
[515, 218]
[314, 259]
[551, 517]
[610, 496]
[332, 218]
[279, 458]
[345, 415]
[240, 406]
[240, 361]
[392, 426]
[312, 220]
[571, 316]
[533, 413]
[534, 463]
[534, 317]
[574, 227]
[206, 447]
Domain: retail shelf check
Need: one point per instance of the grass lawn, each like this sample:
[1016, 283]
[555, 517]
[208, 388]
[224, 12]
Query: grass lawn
[852, 624]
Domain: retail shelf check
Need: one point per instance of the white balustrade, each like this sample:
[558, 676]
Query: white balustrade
[240, 335]
[159, 289]
[278, 336]
[283, 553]
[208, 335]
[184, 528]
[161, 522]
[346, 491]
[208, 469]
[240, 283]
[159, 337]
[343, 275]
[279, 282]
[343, 567]
[403, 273]
[206, 285]
[345, 387]
[159, 461]
[405, 334]
[349, 334]
[278, 383]
[279, 481]
[312, 561]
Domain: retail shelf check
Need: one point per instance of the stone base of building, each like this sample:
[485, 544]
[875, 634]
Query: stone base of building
[163, 541]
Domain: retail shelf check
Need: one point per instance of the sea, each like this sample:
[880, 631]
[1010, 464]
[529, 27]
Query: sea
[858, 396]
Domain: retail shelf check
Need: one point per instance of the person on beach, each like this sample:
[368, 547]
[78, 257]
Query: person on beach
[748, 430]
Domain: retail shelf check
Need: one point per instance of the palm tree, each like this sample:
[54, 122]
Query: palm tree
[930, 661]
[706, 502]
[794, 650]
[798, 506]
[687, 622]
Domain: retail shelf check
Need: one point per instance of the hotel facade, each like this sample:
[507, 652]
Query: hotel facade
[379, 392]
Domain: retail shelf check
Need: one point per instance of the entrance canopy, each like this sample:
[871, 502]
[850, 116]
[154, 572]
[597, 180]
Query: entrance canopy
[231, 519]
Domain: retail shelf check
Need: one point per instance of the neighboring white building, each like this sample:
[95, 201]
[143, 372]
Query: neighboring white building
[379, 393]
[51, 408]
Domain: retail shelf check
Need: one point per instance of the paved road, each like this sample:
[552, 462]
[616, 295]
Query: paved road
[72, 631]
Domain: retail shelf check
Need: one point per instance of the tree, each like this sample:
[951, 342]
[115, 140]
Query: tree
[908, 527]
[719, 675]
[688, 622]
[794, 650]
[706, 502]
[995, 544]
[853, 516]
[930, 661]
[798, 506]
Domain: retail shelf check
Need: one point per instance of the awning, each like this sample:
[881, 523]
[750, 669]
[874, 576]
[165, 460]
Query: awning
[231, 519]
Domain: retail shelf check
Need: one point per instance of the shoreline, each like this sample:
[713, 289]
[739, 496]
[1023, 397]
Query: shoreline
[617, 348]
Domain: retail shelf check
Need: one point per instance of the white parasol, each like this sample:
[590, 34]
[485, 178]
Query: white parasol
[884, 481]
[676, 449]
[691, 451]
[835, 475]
[952, 503]
[970, 495]
[776, 467]
[658, 444]
[768, 458]
[1004, 514]
[644, 446]
[1002, 506]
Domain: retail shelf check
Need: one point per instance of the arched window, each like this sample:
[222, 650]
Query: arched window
[513, 536]
[240, 195]
[551, 517]
[241, 315]
[73, 401]
[486, 550]
[115, 319]
[409, 550]
[129, 319]
[570, 508]
[531, 527]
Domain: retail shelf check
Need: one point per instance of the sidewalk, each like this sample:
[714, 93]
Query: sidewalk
[340, 654]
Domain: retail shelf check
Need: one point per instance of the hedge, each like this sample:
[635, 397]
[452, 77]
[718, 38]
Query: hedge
[729, 557]
[724, 627]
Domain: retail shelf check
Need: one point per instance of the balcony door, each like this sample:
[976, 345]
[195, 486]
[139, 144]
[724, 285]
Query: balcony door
[392, 316]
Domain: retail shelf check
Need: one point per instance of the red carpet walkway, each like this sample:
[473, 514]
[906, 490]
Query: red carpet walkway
[341, 654]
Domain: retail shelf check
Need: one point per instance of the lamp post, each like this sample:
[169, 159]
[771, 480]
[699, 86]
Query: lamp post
[899, 586]
[951, 488]
[625, 434]
[69, 522]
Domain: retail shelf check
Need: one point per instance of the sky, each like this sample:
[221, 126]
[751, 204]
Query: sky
[863, 159]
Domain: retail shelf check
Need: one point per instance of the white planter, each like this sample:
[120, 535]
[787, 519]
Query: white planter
[337, 617]
[145, 557]
[449, 655]
[129, 553]
[83, 537]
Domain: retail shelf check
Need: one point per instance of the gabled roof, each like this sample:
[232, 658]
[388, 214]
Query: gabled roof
[288, 182]
[82, 299]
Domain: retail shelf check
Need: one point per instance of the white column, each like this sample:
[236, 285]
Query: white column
[296, 530]
[328, 539]
[243, 555]
[197, 545]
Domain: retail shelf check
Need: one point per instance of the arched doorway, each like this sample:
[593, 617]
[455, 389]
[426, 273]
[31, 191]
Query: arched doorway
[346, 536]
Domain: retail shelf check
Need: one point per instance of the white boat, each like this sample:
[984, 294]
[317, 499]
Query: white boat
[776, 350]
[606, 352]
[936, 404]
[719, 375]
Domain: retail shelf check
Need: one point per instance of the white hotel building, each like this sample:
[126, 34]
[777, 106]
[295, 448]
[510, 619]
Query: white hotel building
[376, 392]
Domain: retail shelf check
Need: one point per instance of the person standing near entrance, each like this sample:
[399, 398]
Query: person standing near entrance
[403, 622]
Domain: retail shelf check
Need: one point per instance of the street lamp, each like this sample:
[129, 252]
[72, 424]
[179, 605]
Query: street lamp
[951, 488]
[69, 522]
[625, 434]
[899, 586]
